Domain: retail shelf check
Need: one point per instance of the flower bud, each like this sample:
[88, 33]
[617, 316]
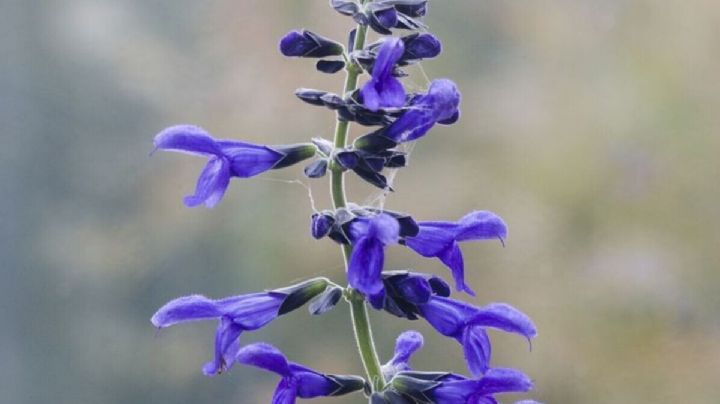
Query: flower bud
[308, 44]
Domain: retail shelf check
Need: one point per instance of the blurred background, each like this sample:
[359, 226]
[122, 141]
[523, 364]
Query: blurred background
[590, 126]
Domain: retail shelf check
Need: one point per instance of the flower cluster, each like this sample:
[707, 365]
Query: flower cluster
[394, 116]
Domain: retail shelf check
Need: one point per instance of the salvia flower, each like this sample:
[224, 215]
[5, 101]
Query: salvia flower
[236, 315]
[406, 345]
[441, 240]
[466, 324]
[227, 159]
[450, 388]
[297, 380]
[384, 90]
[308, 44]
[369, 236]
[439, 105]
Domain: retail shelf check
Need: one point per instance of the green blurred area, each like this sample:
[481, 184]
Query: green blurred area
[590, 126]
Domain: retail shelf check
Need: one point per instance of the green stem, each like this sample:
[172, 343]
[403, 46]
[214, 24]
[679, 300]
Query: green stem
[358, 309]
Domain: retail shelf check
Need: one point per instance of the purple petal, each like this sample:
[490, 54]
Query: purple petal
[431, 240]
[390, 52]
[447, 316]
[477, 349]
[500, 380]
[365, 267]
[311, 383]
[452, 257]
[478, 399]
[211, 185]
[481, 225]
[188, 308]
[187, 139]
[285, 392]
[264, 356]
[406, 345]
[414, 123]
[247, 159]
[505, 317]
[415, 289]
[458, 391]
[444, 98]
[254, 310]
[294, 43]
[226, 346]
[384, 90]
[383, 227]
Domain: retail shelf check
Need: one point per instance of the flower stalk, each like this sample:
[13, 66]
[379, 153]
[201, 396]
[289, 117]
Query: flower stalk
[358, 310]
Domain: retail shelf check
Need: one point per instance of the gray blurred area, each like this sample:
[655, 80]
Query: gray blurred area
[591, 126]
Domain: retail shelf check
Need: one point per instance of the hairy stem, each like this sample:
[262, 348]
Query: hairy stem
[358, 309]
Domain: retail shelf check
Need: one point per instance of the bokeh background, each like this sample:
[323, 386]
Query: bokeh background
[591, 126]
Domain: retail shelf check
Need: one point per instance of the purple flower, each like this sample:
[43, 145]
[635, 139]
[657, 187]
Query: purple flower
[466, 324]
[440, 239]
[297, 380]
[383, 90]
[439, 105]
[236, 314]
[406, 345]
[308, 45]
[227, 159]
[369, 236]
[449, 388]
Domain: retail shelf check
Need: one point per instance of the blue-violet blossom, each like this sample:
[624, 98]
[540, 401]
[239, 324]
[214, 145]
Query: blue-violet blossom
[466, 324]
[297, 380]
[227, 158]
[236, 314]
[450, 388]
[384, 90]
[440, 239]
[439, 105]
[369, 236]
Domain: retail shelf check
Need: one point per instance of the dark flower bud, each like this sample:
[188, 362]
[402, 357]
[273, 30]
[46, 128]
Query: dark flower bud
[347, 159]
[330, 66]
[412, 8]
[397, 160]
[382, 17]
[374, 143]
[310, 96]
[316, 169]
[326, 301]
[332, 101]
[408, 12]
[308, 45]
[421, 46]
[321, 224]
[346, 384]
[294, 154]
[351, 38]
[374, 163]
[371, 176]
[301, 293]
[345, 7]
